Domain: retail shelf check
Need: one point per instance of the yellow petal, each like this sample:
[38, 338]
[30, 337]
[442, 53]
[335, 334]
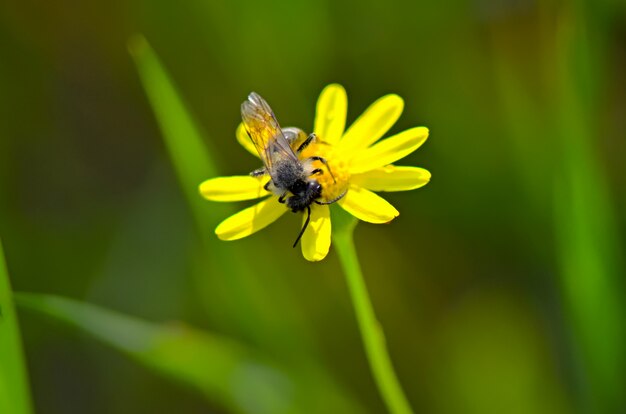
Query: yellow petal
[367, 206]
[330, 115]
[389, 150]
[236, 188]
[245, 141]
[392, 178]
[373, 123]
[250, 220]
[316, 238]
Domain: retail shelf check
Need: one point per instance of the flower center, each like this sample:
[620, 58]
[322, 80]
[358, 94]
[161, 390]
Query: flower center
[332, 188]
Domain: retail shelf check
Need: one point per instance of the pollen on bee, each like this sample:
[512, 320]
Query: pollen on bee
[335, 184]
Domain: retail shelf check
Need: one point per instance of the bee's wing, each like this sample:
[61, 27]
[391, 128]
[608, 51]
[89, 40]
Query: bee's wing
[265, 133]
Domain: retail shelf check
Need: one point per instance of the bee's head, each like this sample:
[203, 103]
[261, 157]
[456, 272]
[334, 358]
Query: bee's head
[306, 188]
[304, 193]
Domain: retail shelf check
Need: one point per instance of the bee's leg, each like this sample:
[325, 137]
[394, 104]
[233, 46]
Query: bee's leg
[317, 171]
[323, 161]
[281, 199]
[306, 224]
[266, 187]
[258, 172]
[334, 200]
[306, 142]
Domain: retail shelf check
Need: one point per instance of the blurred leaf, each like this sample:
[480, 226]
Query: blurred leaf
[192, 164]
[14, 391]
[223, 370]
[219, 368]
[191, 160]
[586, 224]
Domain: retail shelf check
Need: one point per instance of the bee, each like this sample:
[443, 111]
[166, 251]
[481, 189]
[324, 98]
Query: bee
[292, 179]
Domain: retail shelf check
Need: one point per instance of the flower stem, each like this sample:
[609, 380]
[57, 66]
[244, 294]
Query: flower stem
[371, 331]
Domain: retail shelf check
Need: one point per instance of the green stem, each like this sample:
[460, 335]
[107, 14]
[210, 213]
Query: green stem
[371, 331]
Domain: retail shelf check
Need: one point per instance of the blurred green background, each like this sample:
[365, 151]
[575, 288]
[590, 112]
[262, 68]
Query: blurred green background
[500, 286]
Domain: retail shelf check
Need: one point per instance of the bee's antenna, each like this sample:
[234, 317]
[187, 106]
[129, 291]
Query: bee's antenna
[331, 173]
[306, 224]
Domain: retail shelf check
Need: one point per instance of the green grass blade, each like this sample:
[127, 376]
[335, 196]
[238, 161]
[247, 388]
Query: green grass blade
[221, 369]
[226, 372]
[183, 139]
[193, 164]
[14, 390]
[586, 223]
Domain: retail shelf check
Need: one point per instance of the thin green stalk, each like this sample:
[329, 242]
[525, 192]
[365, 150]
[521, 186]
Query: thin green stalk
[14, 389]
[371, 331]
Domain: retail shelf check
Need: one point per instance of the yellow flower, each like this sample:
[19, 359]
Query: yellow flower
[359, 165]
